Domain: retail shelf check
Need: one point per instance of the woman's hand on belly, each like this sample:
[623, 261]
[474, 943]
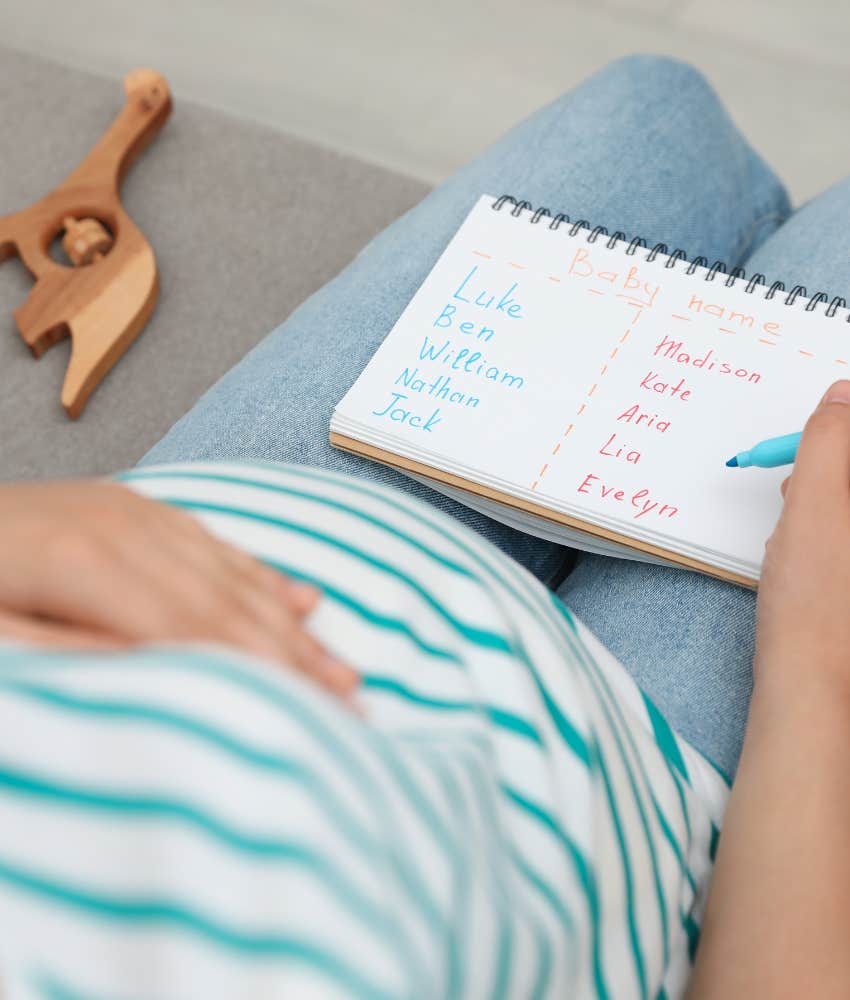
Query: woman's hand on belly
[95, 565]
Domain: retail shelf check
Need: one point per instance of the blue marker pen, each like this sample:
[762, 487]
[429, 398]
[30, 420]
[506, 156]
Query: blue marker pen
[770, 453]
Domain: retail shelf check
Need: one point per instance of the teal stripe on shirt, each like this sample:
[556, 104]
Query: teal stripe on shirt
[317, 498]
[296, 708]
[146, 807]
[582, 869]
[152, 910]
[291, 769]
[611, 707]
[473, 634]
[499, 717]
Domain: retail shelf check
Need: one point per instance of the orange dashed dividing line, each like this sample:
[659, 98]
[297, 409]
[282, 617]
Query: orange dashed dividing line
[807, 353]
[554, 279]
[595, 291]
[687, 319]
[725, 329]
[589, 393]
[478, 253]
[519, 267]
[771, 342]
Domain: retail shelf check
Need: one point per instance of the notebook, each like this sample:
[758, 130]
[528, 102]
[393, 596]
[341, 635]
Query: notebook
[588, 389]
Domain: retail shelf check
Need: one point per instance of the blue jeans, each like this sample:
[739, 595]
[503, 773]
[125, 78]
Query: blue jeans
[645, 147]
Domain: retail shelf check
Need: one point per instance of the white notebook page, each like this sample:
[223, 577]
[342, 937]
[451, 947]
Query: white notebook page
[598, 383]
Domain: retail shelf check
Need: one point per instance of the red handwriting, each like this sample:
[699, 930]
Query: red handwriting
[652, 383]
[613, 449]
[676, 351]
[643, 419]
[744, 320]
[640, 499]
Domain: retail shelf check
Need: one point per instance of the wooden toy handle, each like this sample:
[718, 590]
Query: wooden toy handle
[105, 304]
[146, 111]
[92, 189]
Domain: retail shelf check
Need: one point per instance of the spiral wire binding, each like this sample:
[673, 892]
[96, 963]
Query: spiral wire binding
[718, 267]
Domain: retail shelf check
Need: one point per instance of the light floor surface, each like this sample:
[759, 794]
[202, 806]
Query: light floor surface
[420, 87]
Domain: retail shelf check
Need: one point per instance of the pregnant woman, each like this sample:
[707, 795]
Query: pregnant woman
[280, 730]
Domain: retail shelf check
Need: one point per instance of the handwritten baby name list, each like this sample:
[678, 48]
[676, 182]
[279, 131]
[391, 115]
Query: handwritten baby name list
[599, 380]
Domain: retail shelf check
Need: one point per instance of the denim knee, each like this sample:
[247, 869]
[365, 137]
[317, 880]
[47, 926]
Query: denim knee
[661, 76]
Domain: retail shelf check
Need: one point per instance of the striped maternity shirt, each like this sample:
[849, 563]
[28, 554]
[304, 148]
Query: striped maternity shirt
[506, 817]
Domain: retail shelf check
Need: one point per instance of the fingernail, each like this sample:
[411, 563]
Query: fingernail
[838, 393]
[304, 593]
[337, 671]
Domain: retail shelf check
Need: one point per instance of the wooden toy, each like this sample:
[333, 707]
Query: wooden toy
[103, 300]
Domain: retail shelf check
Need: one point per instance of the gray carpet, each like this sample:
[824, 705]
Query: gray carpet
[246, 222]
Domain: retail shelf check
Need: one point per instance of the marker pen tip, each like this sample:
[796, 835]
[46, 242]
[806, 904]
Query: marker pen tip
[733, 463]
